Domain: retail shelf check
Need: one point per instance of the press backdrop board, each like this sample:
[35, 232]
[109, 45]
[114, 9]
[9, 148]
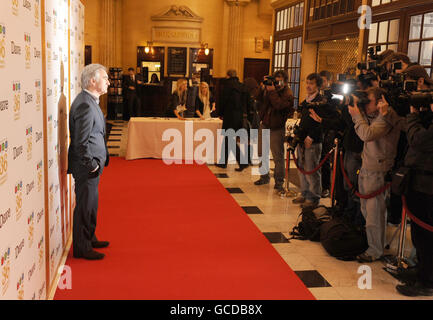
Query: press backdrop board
[22, 212]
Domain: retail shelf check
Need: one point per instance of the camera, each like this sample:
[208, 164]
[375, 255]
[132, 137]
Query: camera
[421, 100]
[400, 92]
[375, 65]
[366, 79]
[345, 91]
[292, 138]
[270, 80]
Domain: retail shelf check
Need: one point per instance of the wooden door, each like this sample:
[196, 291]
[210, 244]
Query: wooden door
[256, 68]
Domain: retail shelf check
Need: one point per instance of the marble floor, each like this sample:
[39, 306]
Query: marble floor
[326, 277]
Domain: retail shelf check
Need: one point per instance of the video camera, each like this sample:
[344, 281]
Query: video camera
[292, 138]
[402, 93]
[376, 65]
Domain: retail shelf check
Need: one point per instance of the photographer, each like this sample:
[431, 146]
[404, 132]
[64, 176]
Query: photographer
[399, 57]
[379, 127]
[418, 73]
[276, 100]
[310, 134]
[420, 189]
[328, 140]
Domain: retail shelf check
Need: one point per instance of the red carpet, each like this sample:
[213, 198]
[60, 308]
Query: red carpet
[176, 233]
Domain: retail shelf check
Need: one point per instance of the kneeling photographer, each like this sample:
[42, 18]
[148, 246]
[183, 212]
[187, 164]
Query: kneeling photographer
[378, 126]
[276, 100]
[419, 196]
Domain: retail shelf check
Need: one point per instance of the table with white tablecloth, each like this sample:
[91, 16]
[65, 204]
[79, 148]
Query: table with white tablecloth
[145, 136]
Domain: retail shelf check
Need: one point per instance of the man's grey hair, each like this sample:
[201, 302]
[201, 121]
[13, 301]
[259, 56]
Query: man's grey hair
[91, 72]
[231, 73]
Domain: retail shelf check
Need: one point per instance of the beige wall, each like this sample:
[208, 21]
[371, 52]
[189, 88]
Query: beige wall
[91, 28]
[255, 26]
[135, 28]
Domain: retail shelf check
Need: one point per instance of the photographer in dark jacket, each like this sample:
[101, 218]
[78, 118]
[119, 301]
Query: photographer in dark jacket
[310, 134]
[352, 146]
[233, 111]
[276, 106]
[420, 197]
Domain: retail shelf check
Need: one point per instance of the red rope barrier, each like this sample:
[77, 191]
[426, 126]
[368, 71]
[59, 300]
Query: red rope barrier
[414, 218]
[362, 196]
[315, 169]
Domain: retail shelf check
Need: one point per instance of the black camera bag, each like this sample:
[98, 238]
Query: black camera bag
[343, 240]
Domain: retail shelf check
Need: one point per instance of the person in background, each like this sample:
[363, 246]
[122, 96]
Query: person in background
[139, 76]
[276, 106]
[134, 103]
[233, 111]
[253, 106]
[177, 104]
[154, 78]
[87, 157]
[326, 79]
[204, 103]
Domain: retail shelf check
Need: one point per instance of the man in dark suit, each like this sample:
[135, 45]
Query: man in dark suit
[132, 83]
[232, 111]
[87, 156]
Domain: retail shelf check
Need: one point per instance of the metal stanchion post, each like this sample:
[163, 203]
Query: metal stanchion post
[401, 242]
[287, 192]
[395, 265]
[334, 172]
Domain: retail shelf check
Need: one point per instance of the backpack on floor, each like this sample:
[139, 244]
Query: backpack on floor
[343, 240]
[311, 221]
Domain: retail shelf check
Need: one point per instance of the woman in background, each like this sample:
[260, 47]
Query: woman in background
[204, 103]
[154, 78]
[177, 104]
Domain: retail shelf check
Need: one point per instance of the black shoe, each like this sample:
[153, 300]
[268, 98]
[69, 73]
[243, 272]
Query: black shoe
[414, 290]
[366, 258]
[325, 193]
[219, 165]
[242, 167]
[279, 189]
[100, 244]
[261, 181]
[90, 255]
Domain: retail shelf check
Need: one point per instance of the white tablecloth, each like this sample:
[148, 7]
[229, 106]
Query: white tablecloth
[145, 135]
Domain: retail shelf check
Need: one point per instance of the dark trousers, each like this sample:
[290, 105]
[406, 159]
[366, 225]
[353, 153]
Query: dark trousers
[326, 168]
[240, 157]
[86, 193]
[134, 105]
[352, 164]
[277, 149]
[421, 205]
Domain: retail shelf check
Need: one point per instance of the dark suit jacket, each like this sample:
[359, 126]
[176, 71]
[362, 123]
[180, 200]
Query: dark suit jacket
[88, 147]
[130, 83]
[234, 99]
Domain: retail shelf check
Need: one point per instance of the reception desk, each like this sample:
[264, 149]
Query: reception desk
[152, 137]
